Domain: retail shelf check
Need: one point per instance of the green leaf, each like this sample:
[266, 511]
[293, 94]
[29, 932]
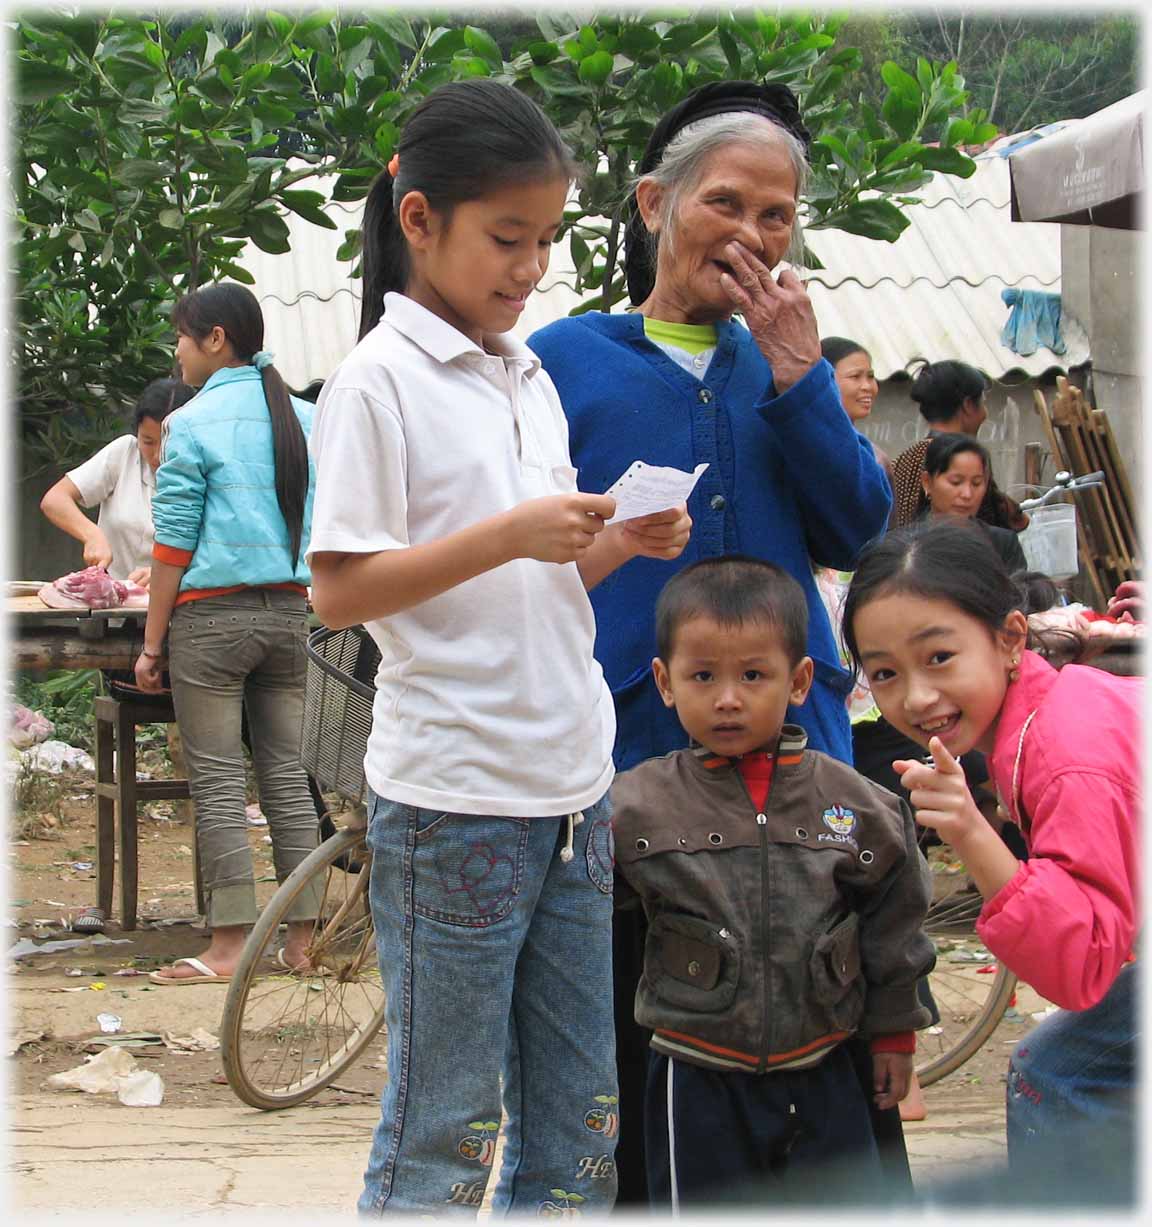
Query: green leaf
[139, 172]
[386, 137]
[484, 45]
[543, 53]
[76, 242]
[901, 115]
[557, 81]
[444, 45]
[172, 219]
[397, 27]
[36, 81]
[596, 68]
[947, 161]
[269, 232]
[280, 25]
[898, 80]
[873, 219]
[310, 206]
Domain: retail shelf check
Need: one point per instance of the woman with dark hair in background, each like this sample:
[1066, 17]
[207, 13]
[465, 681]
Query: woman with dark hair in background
[119, 479]
[951, 396]
[229, 591]
[956, 478]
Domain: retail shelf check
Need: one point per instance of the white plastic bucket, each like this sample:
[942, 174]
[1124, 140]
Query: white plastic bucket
[1049, 541]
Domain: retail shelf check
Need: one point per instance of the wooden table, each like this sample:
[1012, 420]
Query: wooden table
[49, 639]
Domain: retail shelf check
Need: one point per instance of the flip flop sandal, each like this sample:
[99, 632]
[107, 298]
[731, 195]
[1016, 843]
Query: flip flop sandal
[206, 974]
[305, 973]
[90, 920]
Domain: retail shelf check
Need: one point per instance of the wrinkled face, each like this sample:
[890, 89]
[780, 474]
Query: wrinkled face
[148, 436]
[475, 267]
[731, 685]
[936, 671]
[745, 194]
[857, 383]
[959, 490]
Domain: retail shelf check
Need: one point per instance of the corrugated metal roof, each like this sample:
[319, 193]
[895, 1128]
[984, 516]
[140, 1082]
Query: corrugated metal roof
[934, 293]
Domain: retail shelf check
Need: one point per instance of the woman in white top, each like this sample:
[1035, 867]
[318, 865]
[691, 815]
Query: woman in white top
[120, 479]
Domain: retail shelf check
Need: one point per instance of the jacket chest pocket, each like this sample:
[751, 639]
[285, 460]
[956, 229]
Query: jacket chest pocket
[835, 968]
[691, 963]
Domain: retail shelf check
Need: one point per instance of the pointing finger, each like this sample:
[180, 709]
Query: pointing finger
[942, 757]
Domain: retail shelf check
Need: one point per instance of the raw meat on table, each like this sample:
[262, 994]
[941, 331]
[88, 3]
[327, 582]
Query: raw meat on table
[93, 588]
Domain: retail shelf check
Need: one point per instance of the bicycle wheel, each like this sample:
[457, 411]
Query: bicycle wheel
[284, 1036]
[969, 996]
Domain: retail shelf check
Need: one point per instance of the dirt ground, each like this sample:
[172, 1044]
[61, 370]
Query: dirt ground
[202, 1153]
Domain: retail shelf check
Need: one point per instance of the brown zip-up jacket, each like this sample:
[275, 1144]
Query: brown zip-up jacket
[772, 936]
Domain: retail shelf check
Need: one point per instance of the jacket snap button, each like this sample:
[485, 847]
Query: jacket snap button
[693, 968]
[801, 833]
[705, 396]
[718, 502]
[866, 857]
[682, 842]
[641, 845]
[715, 838]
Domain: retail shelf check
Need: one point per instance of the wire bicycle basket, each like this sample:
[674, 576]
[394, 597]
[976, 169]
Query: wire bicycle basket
[338, 693]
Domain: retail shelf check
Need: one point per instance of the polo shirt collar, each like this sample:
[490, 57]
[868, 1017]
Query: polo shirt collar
[439, 340]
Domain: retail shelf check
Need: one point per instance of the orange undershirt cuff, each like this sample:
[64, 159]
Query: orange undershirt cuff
[171, 555]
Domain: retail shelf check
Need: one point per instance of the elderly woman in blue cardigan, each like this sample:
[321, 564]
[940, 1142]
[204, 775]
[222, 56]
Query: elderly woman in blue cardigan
[679, 381]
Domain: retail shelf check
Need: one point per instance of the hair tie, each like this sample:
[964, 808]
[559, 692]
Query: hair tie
[262, 358]
[394, 165]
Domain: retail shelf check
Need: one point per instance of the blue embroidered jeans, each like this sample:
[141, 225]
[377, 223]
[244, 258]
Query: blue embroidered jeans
[495, 948]
[1072, 1115]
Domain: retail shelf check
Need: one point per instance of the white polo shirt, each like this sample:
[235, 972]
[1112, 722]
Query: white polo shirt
[488, 697]
[121, 483]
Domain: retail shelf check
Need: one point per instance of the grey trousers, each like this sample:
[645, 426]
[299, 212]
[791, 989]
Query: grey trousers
[225, 653]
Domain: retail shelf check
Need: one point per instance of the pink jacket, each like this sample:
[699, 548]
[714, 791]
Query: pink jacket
[1067, 921]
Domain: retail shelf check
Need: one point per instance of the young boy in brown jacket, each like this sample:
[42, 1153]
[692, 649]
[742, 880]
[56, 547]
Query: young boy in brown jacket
[785, 899]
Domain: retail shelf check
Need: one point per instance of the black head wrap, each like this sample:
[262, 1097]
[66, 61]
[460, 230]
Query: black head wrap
[776, 102]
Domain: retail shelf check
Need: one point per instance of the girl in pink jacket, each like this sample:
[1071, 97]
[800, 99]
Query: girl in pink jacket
[936, 626]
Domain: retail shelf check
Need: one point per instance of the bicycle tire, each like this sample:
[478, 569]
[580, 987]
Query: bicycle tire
[969, 1011]
[941, 1065]
[316, 1017]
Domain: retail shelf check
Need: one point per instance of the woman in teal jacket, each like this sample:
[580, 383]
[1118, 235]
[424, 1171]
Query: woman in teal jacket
[229, 589]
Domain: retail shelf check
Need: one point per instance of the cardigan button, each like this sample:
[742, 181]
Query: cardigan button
[705, 395]
[718, 502]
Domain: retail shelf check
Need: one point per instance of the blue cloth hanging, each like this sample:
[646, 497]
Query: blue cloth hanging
[1033, 321]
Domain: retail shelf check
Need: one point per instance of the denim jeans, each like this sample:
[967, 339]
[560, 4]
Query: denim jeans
[228, 653]
[495, 949]
[1072, 1103]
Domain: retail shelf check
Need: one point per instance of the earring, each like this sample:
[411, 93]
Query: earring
[1014, 672]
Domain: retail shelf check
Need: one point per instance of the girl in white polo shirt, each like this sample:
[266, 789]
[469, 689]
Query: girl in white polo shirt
[448, 521]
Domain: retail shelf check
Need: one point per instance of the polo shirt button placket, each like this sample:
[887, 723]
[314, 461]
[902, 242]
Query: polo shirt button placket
[705, 395]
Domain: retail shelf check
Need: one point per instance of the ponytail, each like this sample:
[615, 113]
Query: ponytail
[235, 309]
[384, 259]
[466, 139]
[289, 455]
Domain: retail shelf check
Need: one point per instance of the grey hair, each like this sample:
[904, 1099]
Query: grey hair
[685, 154]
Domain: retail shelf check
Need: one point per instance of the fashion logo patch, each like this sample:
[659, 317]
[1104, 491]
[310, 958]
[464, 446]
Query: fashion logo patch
[840, 819]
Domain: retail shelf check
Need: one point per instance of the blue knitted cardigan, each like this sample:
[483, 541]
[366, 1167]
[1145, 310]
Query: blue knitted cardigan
[789, 480]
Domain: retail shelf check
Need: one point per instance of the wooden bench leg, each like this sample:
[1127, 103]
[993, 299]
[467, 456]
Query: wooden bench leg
[126, 767]
[105, 815]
